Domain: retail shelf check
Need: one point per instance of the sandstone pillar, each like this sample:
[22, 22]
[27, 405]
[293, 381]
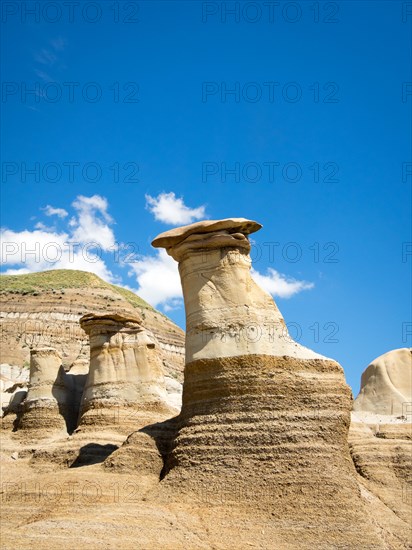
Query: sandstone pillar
[264, 419]
[125, 384]
[227, 313]
[47, 404]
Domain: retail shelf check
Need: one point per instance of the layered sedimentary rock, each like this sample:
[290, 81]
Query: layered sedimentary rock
[380, 440]
[47, 405]
[386, 385]
[125, 385]
[43, 310]
[264, 421]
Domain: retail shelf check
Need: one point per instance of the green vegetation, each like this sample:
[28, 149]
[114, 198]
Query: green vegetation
[50, 280]
[60, 279]
[131, 297]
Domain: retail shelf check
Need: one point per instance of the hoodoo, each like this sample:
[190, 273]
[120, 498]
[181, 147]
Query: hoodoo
[46, 406]
[125, 384]
[227, 313]
[264, 420]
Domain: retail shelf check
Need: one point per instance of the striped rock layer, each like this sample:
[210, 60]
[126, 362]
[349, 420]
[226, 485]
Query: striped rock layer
[264, 421]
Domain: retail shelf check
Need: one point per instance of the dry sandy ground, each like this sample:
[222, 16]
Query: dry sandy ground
[46, 505]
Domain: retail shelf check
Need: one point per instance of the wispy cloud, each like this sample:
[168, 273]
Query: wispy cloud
[280, 285]
[43, 75]
[59, 43]
[168, 208]
[43, 227]
[51, 211]
[45, 57]
[49, 57]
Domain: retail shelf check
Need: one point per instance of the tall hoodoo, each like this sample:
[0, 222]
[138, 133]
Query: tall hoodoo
[263, 418]
[125, 379]
[227, 313]
[47, 403]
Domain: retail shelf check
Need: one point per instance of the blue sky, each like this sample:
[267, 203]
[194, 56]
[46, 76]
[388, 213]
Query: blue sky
[123, 120]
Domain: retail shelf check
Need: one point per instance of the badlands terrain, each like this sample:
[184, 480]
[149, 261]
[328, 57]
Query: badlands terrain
[106, 444]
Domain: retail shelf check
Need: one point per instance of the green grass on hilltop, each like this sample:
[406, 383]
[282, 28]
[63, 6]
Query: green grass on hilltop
[131, 297]
[59, 279]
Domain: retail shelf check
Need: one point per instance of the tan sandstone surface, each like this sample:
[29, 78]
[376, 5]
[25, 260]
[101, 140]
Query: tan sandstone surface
[258, 457]
[126, 378]
[386, 385]
[380, 439]
[43, 310]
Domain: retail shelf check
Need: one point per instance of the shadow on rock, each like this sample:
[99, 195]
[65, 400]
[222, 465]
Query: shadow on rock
[93, 453]
[163, 434]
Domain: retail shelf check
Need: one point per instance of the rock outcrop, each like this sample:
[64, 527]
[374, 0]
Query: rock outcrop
[380, 440]
[264, 421]
[257, 458]
[13, 385]
[43, 310]
[125, 385]
[386, 385]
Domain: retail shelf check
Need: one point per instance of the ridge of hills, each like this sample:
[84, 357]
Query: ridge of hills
[43, 309]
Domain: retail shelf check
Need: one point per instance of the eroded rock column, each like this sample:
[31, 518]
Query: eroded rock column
[264, 421]
[125, 384]
[47, 405]
[227, 313]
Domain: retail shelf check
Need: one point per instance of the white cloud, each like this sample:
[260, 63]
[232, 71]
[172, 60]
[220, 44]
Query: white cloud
[40, 250]
[167, 208]
[51, 211]
[88, 234]
[80, 246]
[172, 304]
[92, 222]
[158, 279]
[44, 227]
[159, 282]
[22, 271]
[278, 284]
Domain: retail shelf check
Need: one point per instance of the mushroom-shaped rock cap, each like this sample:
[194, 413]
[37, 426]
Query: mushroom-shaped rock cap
[118, 317]
[179, 234]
